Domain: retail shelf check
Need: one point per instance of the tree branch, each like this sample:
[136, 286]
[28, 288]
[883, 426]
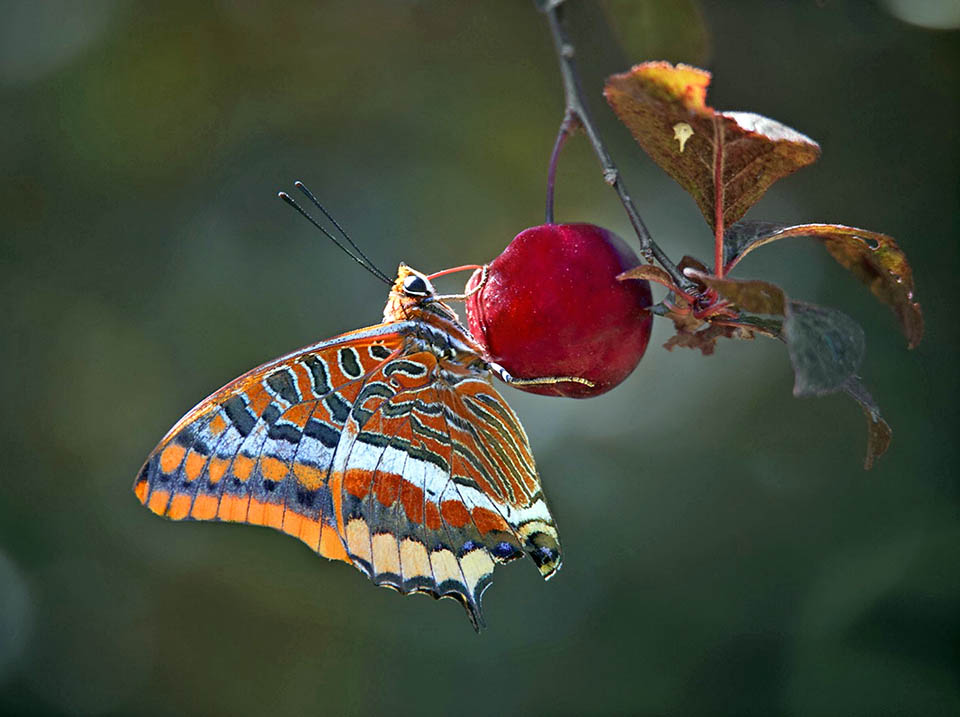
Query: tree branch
[576, 112]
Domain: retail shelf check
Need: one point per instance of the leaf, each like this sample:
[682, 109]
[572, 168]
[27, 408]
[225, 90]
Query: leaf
[826, 348]
[706, 339]
[649, 272]
[872, 257]
[757, 297]
[879, 433]
[725, 160]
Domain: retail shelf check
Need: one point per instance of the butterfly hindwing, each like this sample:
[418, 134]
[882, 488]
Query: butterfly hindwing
[432, 500]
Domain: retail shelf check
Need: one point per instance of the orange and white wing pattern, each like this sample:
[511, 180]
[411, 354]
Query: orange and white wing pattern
[406, 464]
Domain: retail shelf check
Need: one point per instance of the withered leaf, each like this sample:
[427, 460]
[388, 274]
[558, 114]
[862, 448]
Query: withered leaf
[872, 257]
[648, 272]
[706, 339]
[753, 295]
[725, 160]
[879, 433]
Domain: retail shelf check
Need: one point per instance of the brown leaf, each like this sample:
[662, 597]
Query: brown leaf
[725, 160]
[879, 433]
[872, 257]
[757, 297]
[706, 339]
[649, 272]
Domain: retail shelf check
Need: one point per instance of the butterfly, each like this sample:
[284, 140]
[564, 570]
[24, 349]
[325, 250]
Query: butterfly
[387, 448]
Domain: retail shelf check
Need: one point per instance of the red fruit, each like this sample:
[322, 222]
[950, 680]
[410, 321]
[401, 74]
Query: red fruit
[552, 306]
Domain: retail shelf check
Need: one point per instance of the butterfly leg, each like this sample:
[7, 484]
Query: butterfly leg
[507, 378]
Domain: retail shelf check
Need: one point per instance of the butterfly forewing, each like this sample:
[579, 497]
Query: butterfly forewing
[410, 467]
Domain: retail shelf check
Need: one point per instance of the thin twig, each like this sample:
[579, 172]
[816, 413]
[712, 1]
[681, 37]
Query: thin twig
[566, 129]
[576, 112]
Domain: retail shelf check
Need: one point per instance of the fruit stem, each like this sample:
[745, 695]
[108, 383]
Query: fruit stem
[576, 112]
[566, 129]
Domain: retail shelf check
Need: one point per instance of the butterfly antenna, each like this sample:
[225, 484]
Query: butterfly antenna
[316, 202]
[362, 259]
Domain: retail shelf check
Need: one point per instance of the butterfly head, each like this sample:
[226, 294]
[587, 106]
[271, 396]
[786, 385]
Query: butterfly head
[409, 296]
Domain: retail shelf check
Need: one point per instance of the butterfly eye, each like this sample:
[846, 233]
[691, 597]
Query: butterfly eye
[416, 286]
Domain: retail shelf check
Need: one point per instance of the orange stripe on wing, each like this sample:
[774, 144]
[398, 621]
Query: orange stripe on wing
[310, 478]
[291, 523]
[273, 469]
[228, 504]
[171, 457]
[240, 508]
[255, 512]
[158, 501]
[193, 466]
[304, 384]
[242, 466]
[331, 546]
[336, 493]
[357, 482]
[258, 400]
[179, 506]
[487, 520]
[433, 517]
[310, 533]
[454, 513]
[299, 414]
[387, 488]
[216, 469]
[204, 507]
[411, 497]
[273, 515]
[217, 425]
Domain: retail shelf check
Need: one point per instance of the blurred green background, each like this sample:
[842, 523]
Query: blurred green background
[725, 552]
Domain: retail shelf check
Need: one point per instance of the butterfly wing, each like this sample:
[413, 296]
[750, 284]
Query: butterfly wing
[438, 483]
[259, 449]
[415, 472]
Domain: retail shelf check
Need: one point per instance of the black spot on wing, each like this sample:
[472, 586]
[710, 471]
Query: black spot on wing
[271, 414]
[236, 410]
[320, 431]
[361, 414]
[350, 362]
[318, 374]
[284, 432]
[339, 409]
[408, 368]
[379, 352]
[282, 384]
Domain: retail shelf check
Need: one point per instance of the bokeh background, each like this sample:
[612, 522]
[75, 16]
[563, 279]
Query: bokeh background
[725, 552]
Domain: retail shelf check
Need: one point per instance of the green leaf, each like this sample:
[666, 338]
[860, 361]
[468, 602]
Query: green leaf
[725, 160]
[826, 348]
[872, 257]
